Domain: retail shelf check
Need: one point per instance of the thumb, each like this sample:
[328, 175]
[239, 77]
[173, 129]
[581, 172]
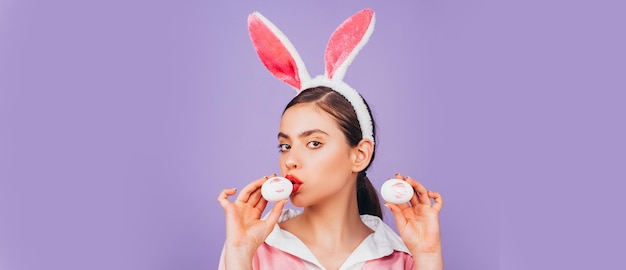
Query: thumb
[397, 214]
[272, 218]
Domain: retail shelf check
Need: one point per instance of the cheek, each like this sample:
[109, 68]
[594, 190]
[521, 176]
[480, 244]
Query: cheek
[281, 165]
[334, 162]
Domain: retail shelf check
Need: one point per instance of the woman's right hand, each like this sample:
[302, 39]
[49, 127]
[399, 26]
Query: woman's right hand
[245, 231]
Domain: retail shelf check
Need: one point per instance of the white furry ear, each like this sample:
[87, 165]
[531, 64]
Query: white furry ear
[346, 42]
[276, 51]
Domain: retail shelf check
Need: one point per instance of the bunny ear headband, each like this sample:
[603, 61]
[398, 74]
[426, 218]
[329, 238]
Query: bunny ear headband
[281, 58]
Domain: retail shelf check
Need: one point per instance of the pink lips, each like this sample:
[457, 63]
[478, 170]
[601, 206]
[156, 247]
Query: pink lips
[295, 181]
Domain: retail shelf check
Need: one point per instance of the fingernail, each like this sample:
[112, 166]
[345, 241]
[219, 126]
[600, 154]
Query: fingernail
[234, 188]
[386, 205]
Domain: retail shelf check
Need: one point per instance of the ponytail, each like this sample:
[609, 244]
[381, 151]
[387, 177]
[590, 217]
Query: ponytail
[367, 196]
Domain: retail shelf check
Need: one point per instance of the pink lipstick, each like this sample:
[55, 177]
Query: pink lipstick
[295, 181]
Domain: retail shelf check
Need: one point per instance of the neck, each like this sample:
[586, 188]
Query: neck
[333, 220]
[337, 220]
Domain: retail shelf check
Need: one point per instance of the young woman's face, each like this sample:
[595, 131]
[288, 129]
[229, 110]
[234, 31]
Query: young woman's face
[314, 154]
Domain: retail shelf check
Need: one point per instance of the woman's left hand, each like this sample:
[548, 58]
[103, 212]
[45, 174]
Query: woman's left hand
[418, 220]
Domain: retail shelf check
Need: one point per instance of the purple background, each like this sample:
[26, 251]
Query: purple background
[120, 121]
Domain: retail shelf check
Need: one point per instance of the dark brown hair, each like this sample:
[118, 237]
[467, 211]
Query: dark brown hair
[340, 108]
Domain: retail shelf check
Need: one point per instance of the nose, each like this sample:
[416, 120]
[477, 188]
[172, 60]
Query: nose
[290, 161]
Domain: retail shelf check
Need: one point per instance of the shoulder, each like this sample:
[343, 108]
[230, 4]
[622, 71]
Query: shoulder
[384, 236]
[286, 220]
[395, 260]
[268, 257]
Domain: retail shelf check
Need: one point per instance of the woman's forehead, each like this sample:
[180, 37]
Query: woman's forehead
[303, 117]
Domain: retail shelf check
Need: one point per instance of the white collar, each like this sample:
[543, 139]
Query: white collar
[379, 244]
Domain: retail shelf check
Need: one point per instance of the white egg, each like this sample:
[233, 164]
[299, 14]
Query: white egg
[396, 191]
[276, 189]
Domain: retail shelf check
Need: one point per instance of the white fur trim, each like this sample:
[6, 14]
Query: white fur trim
[362, 114]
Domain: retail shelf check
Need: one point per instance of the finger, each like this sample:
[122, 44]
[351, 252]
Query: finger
[244, 195]
[438, 200]
[277, 210]
[415, 199]
[402, 206]
[399, 176]
[222, 198]
[255, 197]
[421, 191]
[397, 214]
[261, 205]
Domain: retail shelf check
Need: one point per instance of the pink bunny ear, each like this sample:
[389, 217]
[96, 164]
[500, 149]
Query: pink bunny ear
[276, 52]
[346, 42]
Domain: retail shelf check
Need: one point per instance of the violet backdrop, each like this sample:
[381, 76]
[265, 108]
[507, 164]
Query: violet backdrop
[120, 121]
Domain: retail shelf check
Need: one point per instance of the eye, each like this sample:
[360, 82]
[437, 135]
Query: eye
[283, 147]
[314, 144]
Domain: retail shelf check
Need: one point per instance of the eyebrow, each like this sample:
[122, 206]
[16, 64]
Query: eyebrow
[303, 134]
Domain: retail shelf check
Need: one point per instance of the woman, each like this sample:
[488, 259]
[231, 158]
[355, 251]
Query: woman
[326, 140]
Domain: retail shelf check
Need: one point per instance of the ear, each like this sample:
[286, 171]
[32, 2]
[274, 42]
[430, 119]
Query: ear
[276, 51]
[346, 42]
[362, 155]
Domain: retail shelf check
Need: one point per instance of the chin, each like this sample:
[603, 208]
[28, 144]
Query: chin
[298, 202]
